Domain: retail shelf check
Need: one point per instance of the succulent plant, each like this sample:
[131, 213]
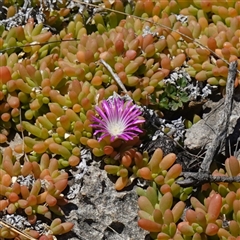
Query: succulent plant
[51, 79]
[215, 215]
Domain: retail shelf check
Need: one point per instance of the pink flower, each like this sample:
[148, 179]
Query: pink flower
[117, 119]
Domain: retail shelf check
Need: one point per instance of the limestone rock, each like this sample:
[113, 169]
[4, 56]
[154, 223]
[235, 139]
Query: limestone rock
[99, 211]
[201, 134]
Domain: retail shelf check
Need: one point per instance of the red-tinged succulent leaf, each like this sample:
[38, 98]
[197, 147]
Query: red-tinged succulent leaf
[208, 199]
[187, 34]
[165, 228]
[214, 207]
[40, 147]
[131, 54]
[51, 188]
[26, 169]
[121, 183]
[211, 229]
[172, 228]
[168, 161]
[11, 209]
[41, 209]
[166, 63]
[41, 198]
[145, 173]
[50, 200]
[166, 202]
[178, 60]
[238, 194]
[58, 230]
[177, 210]
[44, 173]
[8, 166]
[56, 210]
[8, 152]
[201, 219]
[159, 180]
[232, 166]
[3, 204]
[131, 68]
[53, 165]
[133, 46]
[163, 236]
[126, 161]
[5, 74]
[197, 236]
[165, 188]
[219, 222]
[168, 217]
[13, 101]
[55, 222]
[231, 238]
[157, 216]
[147, 40]
[16, 188]
[6, 180]
[59, 149]
[47, 237]
[237, 216]
[32, 218]
[223, 233]
[152, 196]
[212, 44]
[178, 236]
[36, 187]
[48, 215]
[32, 233]
[234, 185]
[67, 226]
[185, 229]
[149, 225]
[57, 176]
[175, 189]
[10, 234]
[196, 203]
[173, 172]
[145, 204]
[61, 184]
[74, 161]
[145, 215]
[23, 203]
[13, 197]
[225, 209]
[112, 169]
[2, 173]
[3, 189]
[223, 190]
[234, 228]
[191, 216]
[150, 50]
[24, 192]
[155, 160]
[138, 160]
[28, 210]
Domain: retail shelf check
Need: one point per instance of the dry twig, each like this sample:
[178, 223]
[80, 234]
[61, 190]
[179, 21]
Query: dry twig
[203, 175]
[14, 229]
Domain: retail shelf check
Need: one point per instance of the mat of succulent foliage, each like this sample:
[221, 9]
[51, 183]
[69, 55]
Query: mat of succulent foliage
[60, 66]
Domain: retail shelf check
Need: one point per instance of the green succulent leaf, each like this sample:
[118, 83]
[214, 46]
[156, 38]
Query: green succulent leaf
[182, 82]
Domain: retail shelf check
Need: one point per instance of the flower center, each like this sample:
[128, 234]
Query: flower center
[115, 127]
